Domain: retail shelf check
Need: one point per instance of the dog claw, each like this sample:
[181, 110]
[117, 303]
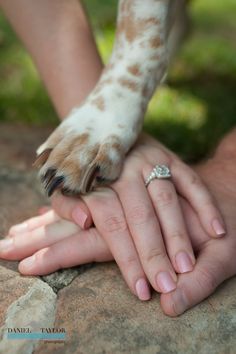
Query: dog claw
[42, 158]
[46, 179]
[53, 184]
[89, 178]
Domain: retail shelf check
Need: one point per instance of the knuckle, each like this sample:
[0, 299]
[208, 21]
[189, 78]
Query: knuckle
[164, 198]
[140, 214]
[121, 184]
[128, 262]
[114, 223]
[179, 235]
[208, 205]
[127, 180]
[208, 279]
[101, 199]
[156, 255]
[195, 179]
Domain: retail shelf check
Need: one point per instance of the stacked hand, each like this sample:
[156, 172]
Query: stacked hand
[153, 233]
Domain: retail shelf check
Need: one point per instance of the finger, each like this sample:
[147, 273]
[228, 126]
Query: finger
[194, 287]
[110, 222]
[170, 216]
[33, 223]
[190, 186]
[146, 233]
[83, 247]
[43, 210]
[72, 209]
[18, 247]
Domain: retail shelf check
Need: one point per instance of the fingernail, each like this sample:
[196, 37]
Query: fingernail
[180, 303]
[218, 227]
[165, 282]
[184, 262]
[28, 262]
[19, 227]
[142, 289]
[79, 217]
[6, 244]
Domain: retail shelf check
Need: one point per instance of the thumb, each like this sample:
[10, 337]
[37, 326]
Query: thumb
[72, 209]
[210, 270]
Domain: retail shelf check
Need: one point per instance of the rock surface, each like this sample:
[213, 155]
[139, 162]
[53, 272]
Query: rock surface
[33, 310]
[93, 304]
[100, 315]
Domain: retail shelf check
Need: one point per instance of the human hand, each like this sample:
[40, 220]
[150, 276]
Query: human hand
[122, 247]
[215, 258]
[125, 216]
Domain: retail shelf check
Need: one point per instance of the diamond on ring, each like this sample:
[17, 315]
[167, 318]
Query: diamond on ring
[159, 172]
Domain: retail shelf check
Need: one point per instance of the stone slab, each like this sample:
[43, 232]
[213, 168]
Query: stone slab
[101, 316]
[34, 310]
[12, 287]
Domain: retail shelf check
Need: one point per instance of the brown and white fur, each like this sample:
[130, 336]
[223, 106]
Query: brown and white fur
[89, 146]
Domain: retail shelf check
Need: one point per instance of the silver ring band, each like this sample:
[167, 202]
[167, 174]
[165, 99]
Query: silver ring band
[158, 172]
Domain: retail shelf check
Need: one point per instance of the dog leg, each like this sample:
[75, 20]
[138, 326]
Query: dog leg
[89, 146]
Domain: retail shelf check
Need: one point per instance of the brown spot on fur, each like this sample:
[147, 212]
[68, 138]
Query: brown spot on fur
[81, 139]
[99, 103]
[72, 170]
[155, 42]
[118, 147]
[134, 70]
[131, 85]
[59, 155]
[155, 57]
[92, 152]
[121, 126]
[132, 27]
[103, 153]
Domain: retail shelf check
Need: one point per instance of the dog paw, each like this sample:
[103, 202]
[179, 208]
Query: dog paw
[78, 156]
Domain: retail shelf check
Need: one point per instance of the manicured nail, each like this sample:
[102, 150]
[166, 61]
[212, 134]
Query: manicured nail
[142, 289]
[79, 217]
[218, 227]
[165, 282]
[6, 244]
[28, 262]
[19, 227]
[180, 303]
[184, 262]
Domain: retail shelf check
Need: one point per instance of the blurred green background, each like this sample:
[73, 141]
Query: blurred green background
[189, 114]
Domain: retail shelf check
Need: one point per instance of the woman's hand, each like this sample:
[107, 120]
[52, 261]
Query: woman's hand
[144, 227]
[126, 218]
